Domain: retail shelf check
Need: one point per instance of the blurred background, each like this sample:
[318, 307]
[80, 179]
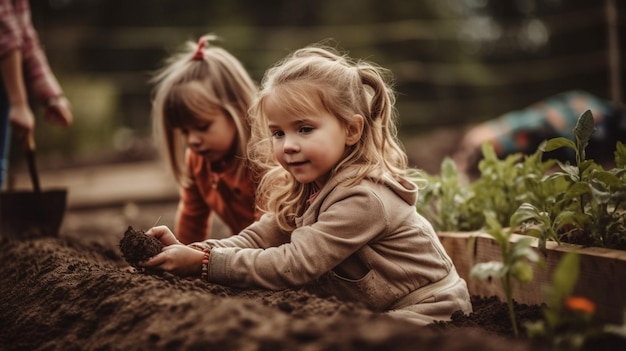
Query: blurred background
[455, 62]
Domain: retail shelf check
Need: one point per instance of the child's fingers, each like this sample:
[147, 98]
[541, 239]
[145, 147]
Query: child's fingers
[177, 259]
[154, 262]
[157, 231]
[163, 234]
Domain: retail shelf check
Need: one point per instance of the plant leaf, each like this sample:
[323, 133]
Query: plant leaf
[526, 212]
[568, 218]
[486, 270]
[522, 250]
[557, 143]
[577, 190]
[620, 155]
[565, 276]
[522, 272]
[602, 196]
[585, 126]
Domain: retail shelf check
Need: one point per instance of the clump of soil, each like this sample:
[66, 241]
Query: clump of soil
[136, 246]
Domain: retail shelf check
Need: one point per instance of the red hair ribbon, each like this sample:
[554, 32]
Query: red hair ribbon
[199, 55]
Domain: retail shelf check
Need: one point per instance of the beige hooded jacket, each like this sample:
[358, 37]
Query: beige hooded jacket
[362, 243]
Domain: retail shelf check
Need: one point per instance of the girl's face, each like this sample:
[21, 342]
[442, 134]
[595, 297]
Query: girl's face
[307, 146]
[212, 136]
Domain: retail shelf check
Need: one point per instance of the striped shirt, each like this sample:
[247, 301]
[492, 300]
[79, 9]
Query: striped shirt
[17, 32]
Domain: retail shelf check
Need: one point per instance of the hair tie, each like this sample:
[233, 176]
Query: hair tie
[199, 54]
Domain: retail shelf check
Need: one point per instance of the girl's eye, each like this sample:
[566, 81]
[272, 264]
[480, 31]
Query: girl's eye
[203, 127]
[185, 131]
[306, 130]
[277, 134]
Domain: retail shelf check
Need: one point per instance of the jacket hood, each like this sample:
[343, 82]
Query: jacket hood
[404, 188]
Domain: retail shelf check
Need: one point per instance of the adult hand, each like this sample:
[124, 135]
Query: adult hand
[58, 111]
[177, 259]
[23, 123]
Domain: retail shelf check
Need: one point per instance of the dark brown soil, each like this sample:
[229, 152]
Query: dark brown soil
[61, 295]
[491, 314]
[78, 292]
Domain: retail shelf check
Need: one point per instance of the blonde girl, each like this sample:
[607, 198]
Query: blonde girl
[200, 103]
[338, 197]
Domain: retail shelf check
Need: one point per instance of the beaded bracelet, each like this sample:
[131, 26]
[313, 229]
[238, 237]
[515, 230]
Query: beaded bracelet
[205, 263]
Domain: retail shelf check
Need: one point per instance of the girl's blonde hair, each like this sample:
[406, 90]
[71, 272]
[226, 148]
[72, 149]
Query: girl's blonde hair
[320, 78]
[199, 80]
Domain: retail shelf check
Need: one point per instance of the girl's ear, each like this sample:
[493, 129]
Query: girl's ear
[354, 130]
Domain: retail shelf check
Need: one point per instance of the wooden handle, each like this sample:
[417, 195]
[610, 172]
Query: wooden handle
[31, 142]
[32, 166]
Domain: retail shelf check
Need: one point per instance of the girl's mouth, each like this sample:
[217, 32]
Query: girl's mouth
[202, 152]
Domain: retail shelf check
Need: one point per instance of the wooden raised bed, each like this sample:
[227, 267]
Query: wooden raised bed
[602, 276]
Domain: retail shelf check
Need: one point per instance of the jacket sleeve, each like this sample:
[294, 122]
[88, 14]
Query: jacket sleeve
[350, 220]
[261, 234]
[192, 219]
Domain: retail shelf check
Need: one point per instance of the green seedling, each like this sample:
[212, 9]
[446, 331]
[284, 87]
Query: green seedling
[515, 264]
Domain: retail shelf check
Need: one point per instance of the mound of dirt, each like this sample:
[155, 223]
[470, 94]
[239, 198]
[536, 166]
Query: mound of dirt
[63, 295]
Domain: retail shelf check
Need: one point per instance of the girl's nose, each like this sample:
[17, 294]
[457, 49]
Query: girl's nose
[194, 138]
[290, 145]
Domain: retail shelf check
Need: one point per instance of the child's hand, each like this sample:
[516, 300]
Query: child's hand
[177, 259]
[164, 235]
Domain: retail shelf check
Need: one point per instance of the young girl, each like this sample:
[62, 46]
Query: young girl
[201, 99]
[338, 198]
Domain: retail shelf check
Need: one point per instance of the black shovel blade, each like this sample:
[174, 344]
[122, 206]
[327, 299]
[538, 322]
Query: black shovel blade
[26, 214]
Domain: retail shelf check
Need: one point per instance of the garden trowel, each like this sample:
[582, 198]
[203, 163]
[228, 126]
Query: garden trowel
[28, 214]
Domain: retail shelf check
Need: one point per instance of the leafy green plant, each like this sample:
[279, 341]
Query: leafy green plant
[580, 203]
[444, 200]
[537, 223]
[503, 186]
[591, 211]
[516, 257]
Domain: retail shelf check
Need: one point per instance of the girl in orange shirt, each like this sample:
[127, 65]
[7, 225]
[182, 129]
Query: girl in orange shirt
[200, 104]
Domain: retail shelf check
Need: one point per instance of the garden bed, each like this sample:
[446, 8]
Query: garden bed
[602, 277]
[63, 295]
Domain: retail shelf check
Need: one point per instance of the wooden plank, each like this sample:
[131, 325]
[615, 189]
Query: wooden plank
[602, 276]
[108, 185]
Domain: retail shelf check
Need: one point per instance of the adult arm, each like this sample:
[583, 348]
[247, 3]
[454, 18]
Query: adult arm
[17, 32]
[20, 114]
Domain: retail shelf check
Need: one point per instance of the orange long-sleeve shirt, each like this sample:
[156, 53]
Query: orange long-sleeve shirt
[214, 193]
